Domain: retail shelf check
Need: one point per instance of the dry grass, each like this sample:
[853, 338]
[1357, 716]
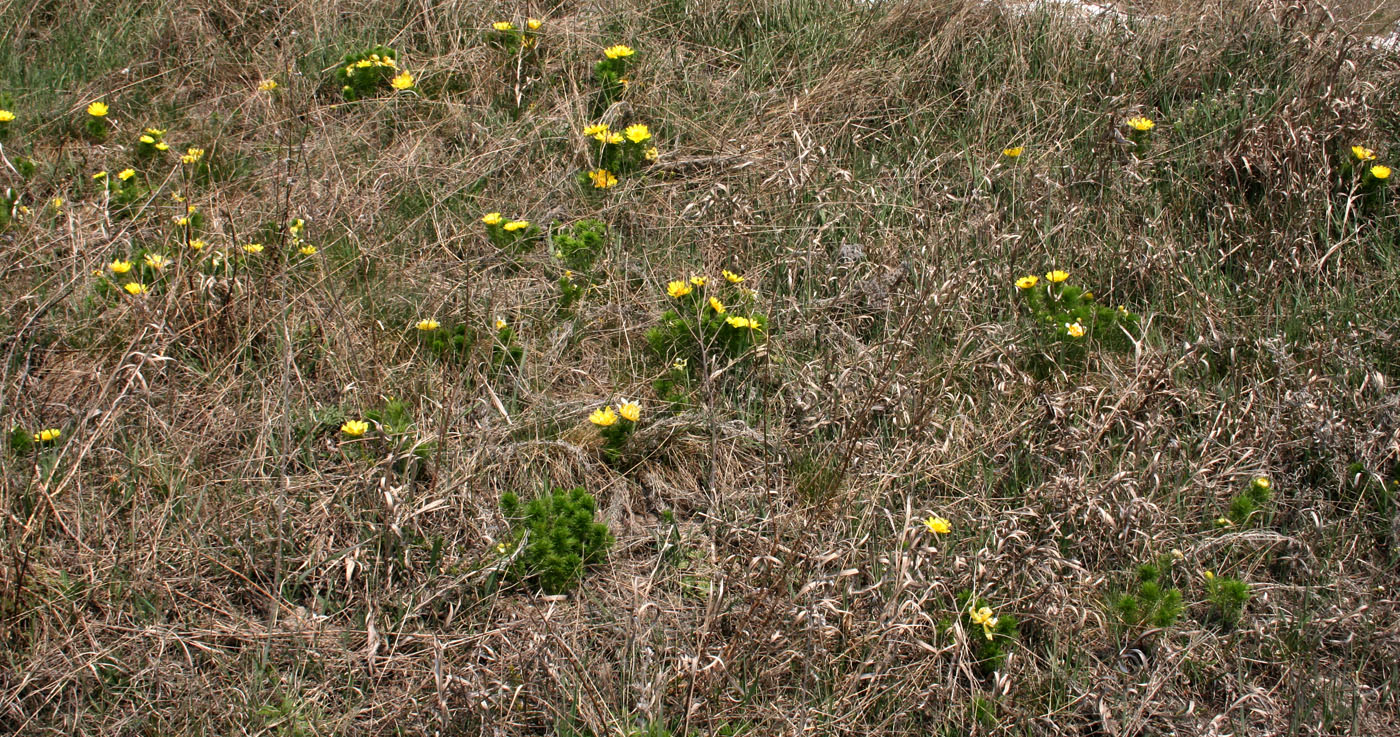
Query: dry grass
[204, 553]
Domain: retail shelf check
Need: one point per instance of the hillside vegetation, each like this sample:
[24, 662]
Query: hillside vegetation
[698, 367]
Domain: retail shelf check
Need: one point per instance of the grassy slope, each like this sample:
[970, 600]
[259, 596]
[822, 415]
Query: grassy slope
[202, 556]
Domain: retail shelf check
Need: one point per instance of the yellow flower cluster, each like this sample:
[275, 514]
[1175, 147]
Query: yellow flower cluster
[373, 61]
[983, 617]
[1363, 155]
[602, 179]
[1141, 124]
[938, 525]
[626, 410]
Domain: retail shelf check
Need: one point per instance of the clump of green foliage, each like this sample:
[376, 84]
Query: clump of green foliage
[1152, 601]
[1250, 502]
[1070, 315]
[398, 433]
[707, 321]
[365, 73]
[451, 343]
[578, 245]
[675, 385]
[1227, 597]
[570, 290]
[556, 536]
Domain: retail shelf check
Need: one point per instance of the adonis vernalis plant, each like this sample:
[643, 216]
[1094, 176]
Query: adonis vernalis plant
[708, 318]
[1071, 315]
[372, 71]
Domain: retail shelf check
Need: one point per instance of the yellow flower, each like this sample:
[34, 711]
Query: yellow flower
[307, 250]
[134, 288]
[126, 174]
[502, 548]
[47, 436]
[679, 364]
[56, 203]
[1223, 522]
[983, 617]
[182, 221]
[731, 277]
[1088, 295]
[355, 428]
[602, 178]
[500, 324]
[162, 146]
[156, 261]
[618, 52]
[938, 525]
[1075, 330]
[428, 325]
[196, 245]
[596, 129]
[97, 109]
[569, 274]
[637, 133]
[491, 218]
[604, 417]
[515, 225]
[155, 131]
[267, 85]
[717, 305]
[402, 81]
[1027, 282]
[1363, 154]
[1141, 124]
[612, 138]
[100, 175]
[741, 322]
[630, 411]
[652, 154]
[6, 116]
[678, 289]
[503, 26]
[192, 155]
[119, 266]
[1208, 575]
[1012, 153]
[1380, 172]
[1263, 482]
[1057, 276]
[147, 139]
[533, 24]
[698, 281]
[253, 248]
